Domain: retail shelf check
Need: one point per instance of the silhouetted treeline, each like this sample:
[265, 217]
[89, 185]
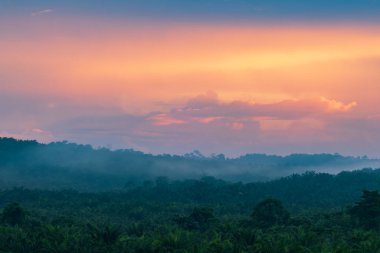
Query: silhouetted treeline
[62, 165]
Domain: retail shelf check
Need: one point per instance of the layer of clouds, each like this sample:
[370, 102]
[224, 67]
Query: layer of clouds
[204, 123]
[208, 106]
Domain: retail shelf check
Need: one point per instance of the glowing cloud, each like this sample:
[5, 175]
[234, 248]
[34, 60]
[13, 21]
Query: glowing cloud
[165, 120]
[333, 105]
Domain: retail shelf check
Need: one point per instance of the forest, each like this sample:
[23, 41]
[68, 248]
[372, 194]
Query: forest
[300, 212]
[64, 165]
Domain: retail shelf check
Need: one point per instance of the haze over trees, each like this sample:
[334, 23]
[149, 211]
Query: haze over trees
[63, 197]
[62, 165]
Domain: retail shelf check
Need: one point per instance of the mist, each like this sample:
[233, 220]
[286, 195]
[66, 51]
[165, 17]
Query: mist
[63, 165]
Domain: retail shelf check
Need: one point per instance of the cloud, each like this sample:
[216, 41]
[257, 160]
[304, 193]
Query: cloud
[27, 133]
[38, 131]
[208, 107]
[337, 106]
[41, 12]
[165, 120]
[237, 126]
[212, 125]
[203, 122]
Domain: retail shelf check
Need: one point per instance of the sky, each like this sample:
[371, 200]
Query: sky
[169, 76]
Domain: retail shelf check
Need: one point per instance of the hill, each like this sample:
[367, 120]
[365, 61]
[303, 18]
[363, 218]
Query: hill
[62, 165]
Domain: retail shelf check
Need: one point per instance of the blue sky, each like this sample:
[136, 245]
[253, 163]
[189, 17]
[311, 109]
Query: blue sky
[196, 10]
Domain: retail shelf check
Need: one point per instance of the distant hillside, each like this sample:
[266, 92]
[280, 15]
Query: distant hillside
[66, 165]
[300, 193]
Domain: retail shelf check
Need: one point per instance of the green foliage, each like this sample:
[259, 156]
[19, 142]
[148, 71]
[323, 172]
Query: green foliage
[69, 221]
[13, 214]
[201, 218]
[270, 212]
[367, 210]
[107, 235]
[172, 216]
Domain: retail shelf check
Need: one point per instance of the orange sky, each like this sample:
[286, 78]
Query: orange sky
[164, 63]
[146, 68]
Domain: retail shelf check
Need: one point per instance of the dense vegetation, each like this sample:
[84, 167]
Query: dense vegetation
[301, 213]
[78, 199]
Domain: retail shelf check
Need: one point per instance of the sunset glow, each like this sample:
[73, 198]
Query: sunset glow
[221, 87]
